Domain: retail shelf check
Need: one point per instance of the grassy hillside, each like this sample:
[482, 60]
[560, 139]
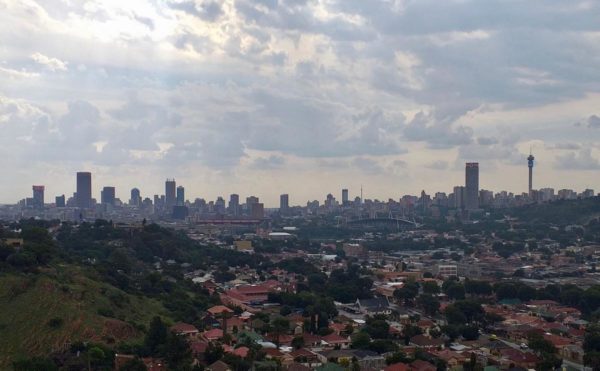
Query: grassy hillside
[45, 312]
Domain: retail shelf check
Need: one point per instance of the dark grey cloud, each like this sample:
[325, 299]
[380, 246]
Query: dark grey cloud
[593, 122]
[578, 160]
[208, 10]
[437, 134]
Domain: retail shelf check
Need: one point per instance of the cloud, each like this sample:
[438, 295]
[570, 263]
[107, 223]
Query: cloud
[437, 165]
[17, 74]
[347, 84]
[437, 134]
[52, 64]
[268, 163]
[206, 10]
[579, 160]
[593, 122]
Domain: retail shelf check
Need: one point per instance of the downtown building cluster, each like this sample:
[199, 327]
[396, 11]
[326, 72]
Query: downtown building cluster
[465, 201]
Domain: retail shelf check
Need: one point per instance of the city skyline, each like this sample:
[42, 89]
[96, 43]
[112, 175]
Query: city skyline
[174, 193]
[295, 97]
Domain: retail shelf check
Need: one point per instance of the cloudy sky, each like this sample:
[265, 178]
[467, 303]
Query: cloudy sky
[298, 96]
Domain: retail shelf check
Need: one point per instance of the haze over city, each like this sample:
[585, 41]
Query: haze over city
[298, 97]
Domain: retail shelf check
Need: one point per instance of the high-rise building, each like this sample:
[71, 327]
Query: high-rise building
[472, 186]
[84, 190]
[170, 197]
[38, 197]
[107, 196]
[136, 198]
[459, 197]
[60, 201]
[344, 196]
[530, 166]
[257, 210]
[284, 203]
[180, 196]
[234, 204]
[220, 205]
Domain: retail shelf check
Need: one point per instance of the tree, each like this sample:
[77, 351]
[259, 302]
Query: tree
[377, 327]
[397, 357]
[452, 331]
[360, 340]
[455, 291]
[382, 346]
[430, 287]
[538, 344]
[298, 342]
[430, 304]
[408, 292]
[213, 353]
[591, 346]
[135, 364]
[280, 326]
[409, 331]
[177, 353]
[34, 364]
[469, 332]
[156, 337]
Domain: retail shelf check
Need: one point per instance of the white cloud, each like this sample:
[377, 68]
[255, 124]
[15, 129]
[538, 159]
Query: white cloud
[53, 64]
[371, 88]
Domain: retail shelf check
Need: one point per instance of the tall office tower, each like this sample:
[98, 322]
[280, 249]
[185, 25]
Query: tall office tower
[136, 198]
[84, 190]
[234, 204]
[251, 200]
[170, 197]
[60, 201]
[257, 210]
[472, 186]
[180, 196]
[284, 203]
[220, 205]
[459, 197]
[530, 165]
[344, 196]
[107, 196]
[38, 197]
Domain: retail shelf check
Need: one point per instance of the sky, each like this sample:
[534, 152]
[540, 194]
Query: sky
[305, 97]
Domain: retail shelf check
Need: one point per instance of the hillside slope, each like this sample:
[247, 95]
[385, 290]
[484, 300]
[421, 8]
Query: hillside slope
[45, 312]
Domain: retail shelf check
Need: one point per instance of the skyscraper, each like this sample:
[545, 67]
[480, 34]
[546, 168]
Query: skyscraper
[234, 204]
[170, 197]
[530, 165]
[459, 197]
[136, 198]
[38, 197]
[344, 196]
[284, 203]
[472, 186]
[60, 201]
[107, 196]
[84, 190]
[180, 196]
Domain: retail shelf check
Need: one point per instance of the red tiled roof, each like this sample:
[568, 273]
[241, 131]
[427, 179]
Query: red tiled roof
[397, 367]
[241, 352]
[218, 309]
[420, 365]
[213, 334]
[335, 339]
[198, 347]
[184, 328]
